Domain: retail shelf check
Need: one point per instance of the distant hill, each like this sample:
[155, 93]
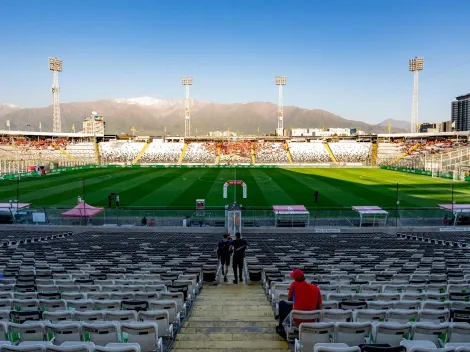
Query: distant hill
[7, 108]
[396, 124]
[150, 116]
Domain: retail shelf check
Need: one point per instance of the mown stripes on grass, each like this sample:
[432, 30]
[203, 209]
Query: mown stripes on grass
[173, 187]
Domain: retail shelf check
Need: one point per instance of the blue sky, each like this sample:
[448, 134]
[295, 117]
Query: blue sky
[349, 57]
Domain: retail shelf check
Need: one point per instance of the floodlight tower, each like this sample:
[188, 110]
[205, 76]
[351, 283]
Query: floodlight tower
[55, 65]
[415, 65]
[187, 82]
[280, 82]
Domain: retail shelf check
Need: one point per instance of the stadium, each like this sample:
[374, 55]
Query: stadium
[326, 237]
[96, 256]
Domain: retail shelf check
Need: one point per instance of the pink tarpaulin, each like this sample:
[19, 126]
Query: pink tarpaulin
[369, 210]
[290, 209]
[82, 210]
[459, 207]
[4, 206]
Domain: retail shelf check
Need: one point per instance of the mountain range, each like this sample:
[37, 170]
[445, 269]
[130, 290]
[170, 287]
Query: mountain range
[150, 116]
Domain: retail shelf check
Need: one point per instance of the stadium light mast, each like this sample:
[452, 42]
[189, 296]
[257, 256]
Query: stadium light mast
[280, 82]
[187, 82]
[55, 65]
[415, 65]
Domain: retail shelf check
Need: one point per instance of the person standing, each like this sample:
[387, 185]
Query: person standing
[223, 252]
[117, 200]
[302, 296]
[315, 195]
[239, 246]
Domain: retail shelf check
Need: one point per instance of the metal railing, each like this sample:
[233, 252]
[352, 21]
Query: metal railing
[322, 218]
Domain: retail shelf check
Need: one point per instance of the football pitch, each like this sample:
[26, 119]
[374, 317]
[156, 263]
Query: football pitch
[179, 188]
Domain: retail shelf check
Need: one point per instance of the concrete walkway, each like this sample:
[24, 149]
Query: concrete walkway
[230, 317]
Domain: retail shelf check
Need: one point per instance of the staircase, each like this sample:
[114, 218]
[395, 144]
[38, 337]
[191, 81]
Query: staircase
[289, 156]
[230, 317]
[97, 152]
[183, 153]
[253, 155]
[217, 156]
[144, 148]
[62, 151]
[373, 158]
[328, 149]
[404, 155]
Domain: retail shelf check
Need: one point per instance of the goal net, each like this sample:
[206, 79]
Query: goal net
[459, 174]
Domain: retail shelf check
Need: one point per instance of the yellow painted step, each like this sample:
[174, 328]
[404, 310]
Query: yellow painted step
[141, 153]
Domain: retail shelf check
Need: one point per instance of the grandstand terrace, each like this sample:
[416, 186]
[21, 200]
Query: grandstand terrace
[95, 288]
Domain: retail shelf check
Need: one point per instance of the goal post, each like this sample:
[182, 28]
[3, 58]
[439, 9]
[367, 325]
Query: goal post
[235, 183]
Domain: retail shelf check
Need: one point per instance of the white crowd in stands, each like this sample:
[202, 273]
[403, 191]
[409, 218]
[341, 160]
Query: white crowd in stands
[120, 152]
[159, 152]
[227, 152]
[271, 153]
[351, 151]
[199, 152]
[313, 152]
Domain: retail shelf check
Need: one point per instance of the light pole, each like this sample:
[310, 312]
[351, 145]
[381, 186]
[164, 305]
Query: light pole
[187, 82]
[55, 65]
[415, 65]
[280, 82]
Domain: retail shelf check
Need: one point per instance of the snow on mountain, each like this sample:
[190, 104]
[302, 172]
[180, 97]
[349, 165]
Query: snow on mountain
[6, 108]
[10, 105]
[156, 103]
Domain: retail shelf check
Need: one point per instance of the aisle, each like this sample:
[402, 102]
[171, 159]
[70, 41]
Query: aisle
[231, 318]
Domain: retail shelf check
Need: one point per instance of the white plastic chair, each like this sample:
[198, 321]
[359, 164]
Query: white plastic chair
[430, 332]
[63, 332]
[312, 333]
[391, 333]
[352, 334]
[143, 333]
[161, 317]
[336, 315]
[101, 333]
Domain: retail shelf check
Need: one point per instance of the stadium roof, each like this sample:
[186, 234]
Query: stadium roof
[49, 134]
[425, 135]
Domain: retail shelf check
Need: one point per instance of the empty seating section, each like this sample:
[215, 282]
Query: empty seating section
[351, 151]
[100, 289]
[199, 152]
[310, 153]
[82, 151]
[121, 152]
[387, 152]
[376, 288]
[112, 290]
[158, 152]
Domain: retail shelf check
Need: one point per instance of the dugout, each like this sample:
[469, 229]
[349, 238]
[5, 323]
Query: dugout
[460, 213]
[370, 216]
[291, 216]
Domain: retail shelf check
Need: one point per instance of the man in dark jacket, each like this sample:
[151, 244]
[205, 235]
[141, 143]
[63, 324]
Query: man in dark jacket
[223, 252]
[239, 246]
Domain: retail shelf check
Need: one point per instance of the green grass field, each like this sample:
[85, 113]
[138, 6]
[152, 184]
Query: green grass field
[339, 188]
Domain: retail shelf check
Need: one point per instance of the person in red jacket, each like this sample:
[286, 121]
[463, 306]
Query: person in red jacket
[302, 296]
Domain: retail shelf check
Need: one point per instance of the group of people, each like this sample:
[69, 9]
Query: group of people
[149, 223]
[303, 296]
[227, 248]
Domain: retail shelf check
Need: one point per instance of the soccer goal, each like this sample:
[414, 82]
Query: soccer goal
[460, 173]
